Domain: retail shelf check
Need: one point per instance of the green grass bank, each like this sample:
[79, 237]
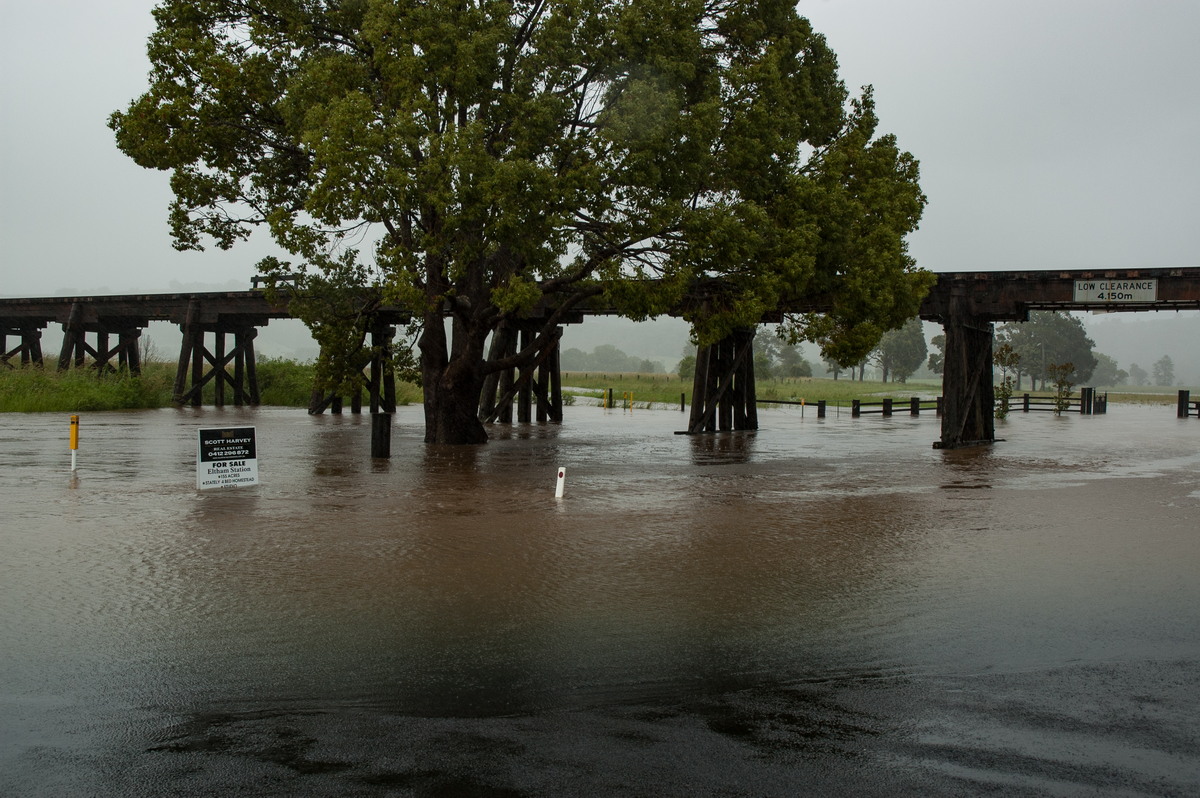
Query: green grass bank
[281, 382]
[288, 383]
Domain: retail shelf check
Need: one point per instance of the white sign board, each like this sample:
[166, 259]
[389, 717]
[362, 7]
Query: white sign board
[226, 458]
[1116, 290]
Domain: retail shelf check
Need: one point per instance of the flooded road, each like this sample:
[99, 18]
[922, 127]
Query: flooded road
[824, 607]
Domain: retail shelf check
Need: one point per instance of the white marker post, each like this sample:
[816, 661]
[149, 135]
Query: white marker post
[74, 440]
[562, 483]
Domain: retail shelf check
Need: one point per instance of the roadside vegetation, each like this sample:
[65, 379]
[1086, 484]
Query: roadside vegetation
[288, 383]
[281, 382]
[31, 390]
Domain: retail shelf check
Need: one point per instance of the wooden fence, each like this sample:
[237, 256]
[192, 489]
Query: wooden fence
[1087, 403]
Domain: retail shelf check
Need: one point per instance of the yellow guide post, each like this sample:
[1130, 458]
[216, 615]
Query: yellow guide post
[74, 439]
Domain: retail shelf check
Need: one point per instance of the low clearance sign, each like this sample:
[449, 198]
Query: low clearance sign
[1116, 290]
[226, 458]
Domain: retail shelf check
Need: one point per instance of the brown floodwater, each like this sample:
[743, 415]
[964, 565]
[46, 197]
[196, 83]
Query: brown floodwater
[822, 607]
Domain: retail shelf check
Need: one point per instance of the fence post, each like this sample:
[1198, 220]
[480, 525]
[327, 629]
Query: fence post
[1026, 407]
[887, 406]
[1184, 404]
[855, 408]
[914, 406]
[820, 408]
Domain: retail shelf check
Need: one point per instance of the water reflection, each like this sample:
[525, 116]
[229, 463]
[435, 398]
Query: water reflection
[722, 448]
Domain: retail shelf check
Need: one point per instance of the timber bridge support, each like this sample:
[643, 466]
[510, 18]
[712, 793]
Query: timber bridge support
[104, 332]
[969, 304]
[536, 386]
[723, 394]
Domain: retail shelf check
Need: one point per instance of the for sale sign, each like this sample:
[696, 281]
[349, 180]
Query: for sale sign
[226, 458]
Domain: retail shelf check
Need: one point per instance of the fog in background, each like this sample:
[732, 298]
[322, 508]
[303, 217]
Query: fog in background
[1051, 135]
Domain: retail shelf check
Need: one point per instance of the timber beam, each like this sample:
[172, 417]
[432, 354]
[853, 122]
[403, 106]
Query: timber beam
[1011, 295]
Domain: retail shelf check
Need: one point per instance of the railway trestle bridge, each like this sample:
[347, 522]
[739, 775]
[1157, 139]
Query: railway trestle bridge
[219, 329]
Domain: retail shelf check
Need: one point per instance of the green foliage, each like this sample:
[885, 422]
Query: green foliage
[1050, 337]
[281, 382]
[937, 359]
[1164, 371]
[477, 159]
[1008, 360]
[285, 382]
[1107, 372]
[901, 352]
[607, 358]
[30, 390]
[1062, 374]
[775, 358]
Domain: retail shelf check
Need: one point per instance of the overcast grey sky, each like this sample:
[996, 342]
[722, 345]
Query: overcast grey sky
[1050, 134]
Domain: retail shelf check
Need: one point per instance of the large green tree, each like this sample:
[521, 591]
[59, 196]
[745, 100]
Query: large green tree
[1048, 339]
[901, 352]
[482, 161]
[1164, 371]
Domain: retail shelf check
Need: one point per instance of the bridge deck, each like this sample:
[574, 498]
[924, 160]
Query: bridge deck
[988, 296]
[1010, 296]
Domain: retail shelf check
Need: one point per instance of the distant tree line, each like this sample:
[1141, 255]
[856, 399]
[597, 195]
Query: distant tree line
[773, 359]
[899, 354]
[607, 358]
[1037, 351]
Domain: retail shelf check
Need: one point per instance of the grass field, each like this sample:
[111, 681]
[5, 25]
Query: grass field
[281, 382]
[666, 388]
[289, 384]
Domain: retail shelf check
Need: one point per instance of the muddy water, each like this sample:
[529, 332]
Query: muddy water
[824, 607]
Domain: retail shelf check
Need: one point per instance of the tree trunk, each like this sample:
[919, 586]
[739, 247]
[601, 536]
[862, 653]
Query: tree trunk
[452, 381]
[452, 410]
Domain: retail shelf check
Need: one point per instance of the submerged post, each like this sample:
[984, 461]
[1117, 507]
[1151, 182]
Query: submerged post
[1184, 404]
[381, 435]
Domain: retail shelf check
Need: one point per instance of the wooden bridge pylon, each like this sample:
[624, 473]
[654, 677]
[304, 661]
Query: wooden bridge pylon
[968, 383]
[536, 386]
[194, 356]
[968, 304]
[723, 394]
[29, 350]
[380, 379]
[76, 349]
